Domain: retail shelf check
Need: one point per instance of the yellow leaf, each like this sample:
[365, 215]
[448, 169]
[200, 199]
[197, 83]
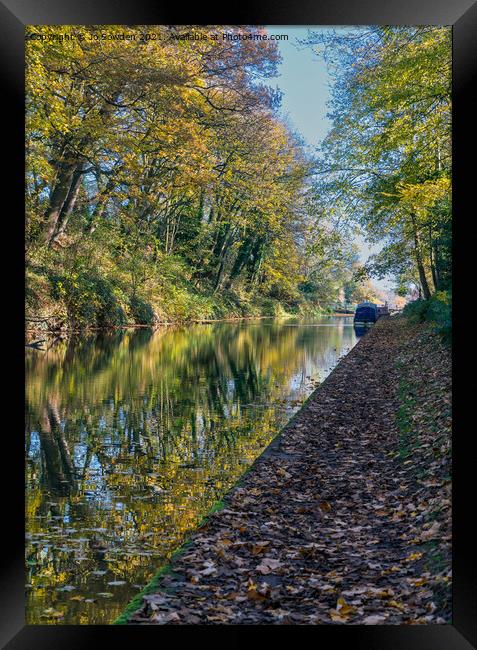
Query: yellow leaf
[342, 607]
[394, 603]
[413, 556]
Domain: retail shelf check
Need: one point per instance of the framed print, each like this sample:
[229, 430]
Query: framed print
[244, 311]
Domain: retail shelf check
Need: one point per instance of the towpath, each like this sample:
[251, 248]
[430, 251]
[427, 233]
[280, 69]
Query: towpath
[346, 517]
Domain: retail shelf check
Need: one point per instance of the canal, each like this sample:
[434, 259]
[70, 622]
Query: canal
[132, 436]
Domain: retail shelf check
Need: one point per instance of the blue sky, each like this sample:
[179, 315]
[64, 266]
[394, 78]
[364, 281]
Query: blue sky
[304, 80]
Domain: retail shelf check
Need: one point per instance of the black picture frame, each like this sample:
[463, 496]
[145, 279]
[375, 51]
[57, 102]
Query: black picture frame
[462, 15]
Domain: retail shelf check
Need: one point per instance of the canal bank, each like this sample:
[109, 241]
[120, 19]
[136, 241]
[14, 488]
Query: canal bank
[345, 518]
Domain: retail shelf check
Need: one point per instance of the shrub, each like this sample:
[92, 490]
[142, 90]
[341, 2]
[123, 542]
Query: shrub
[141, 311]
[416, 311]
[272, 307]
[440, 312]
[90, 301]
[437, 310]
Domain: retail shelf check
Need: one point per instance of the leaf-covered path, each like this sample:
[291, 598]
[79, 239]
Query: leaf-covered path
[346, 516]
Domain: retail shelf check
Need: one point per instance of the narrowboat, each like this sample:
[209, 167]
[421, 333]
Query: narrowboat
[366, 312]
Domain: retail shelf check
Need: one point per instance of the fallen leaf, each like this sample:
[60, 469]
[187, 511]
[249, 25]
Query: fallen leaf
[374, 619]
[259, 547]
[394, 603]
[413, 556]
[432, 532]
[260, 593]
[268, 565]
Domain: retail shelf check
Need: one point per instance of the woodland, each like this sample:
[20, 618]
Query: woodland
[162, 184]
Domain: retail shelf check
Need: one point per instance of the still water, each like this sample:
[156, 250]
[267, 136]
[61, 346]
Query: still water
[132, 436]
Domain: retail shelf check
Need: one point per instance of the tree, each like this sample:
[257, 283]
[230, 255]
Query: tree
[159, 168]
[386, 162]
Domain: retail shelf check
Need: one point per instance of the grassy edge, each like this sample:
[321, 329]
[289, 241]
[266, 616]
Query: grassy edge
[136, 602]
[167, 569]
[407, 443]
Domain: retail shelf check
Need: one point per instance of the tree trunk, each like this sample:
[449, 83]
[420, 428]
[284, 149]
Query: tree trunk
[218, 278]
[68, 205]
[420, 265]
[100, 206]
[71, 163]
[432, 259]
[242, 259]
[422, 278]
[58, 198]
[437, 265]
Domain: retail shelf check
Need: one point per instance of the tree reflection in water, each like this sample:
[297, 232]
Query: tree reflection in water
[132, 436]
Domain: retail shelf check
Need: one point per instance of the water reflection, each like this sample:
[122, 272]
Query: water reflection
[132, 436]
[361, 330]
